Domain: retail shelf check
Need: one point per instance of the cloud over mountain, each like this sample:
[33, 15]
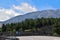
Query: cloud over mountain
[25, 7]
[12, 11]
[7, 13]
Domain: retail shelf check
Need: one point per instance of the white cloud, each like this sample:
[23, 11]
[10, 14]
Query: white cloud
[7, 13]
[25, 7]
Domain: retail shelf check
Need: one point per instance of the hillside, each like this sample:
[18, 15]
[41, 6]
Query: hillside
[33, 15]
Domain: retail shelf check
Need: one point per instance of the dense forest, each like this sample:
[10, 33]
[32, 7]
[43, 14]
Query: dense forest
[42, 25]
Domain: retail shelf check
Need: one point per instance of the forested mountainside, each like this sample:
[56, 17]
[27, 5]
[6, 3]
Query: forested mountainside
[43, 22]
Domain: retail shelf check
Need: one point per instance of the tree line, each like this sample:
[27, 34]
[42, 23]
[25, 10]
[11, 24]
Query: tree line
[29, 25]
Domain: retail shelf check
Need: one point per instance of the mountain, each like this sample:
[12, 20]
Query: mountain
[33, 15]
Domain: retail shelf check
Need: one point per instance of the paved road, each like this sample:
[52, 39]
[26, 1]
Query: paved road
[38, 38]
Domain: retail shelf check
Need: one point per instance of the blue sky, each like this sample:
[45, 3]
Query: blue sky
[37, 3]
[12, 8]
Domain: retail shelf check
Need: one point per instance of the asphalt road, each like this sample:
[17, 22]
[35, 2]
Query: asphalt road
[38, 38]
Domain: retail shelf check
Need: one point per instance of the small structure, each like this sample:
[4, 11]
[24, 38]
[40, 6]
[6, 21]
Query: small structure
[18, 33]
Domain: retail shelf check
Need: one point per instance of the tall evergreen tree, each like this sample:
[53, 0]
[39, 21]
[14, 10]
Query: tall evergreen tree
[3, 28]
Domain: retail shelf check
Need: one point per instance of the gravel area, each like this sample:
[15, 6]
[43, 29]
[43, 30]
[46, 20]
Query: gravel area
[38, 38]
